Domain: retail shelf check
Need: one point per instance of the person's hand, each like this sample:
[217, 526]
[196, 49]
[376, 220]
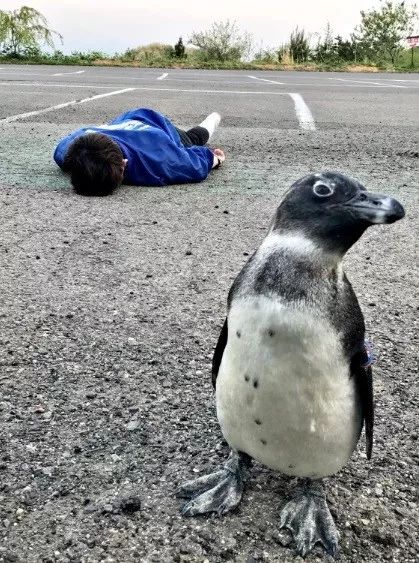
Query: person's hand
[219, 157]
[220, 154]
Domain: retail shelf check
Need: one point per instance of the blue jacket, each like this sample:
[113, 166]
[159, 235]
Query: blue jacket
[156, 156]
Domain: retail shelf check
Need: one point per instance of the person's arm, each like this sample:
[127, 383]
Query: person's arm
[193, 164]
[62, 148]
[168, 163]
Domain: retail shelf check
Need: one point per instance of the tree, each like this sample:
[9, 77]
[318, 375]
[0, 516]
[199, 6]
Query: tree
[222, 42]
[345, 50]
[24, 30]
[299, 46]
[381, 32]
[180, 49]
[333, 49]
[325, 49]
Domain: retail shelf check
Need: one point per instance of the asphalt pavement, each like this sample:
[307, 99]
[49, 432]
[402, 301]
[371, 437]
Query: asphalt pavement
[110, 309]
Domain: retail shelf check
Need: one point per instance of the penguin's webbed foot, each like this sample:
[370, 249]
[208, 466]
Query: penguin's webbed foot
[217, 492]
[308, 518]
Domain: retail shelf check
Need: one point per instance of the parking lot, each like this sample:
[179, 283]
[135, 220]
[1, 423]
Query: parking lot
[110, 309]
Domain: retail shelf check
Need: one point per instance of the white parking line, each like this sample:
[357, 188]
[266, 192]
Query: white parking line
[367, 83]
[63, 73]
[193, 90]
[399, 80]
[265, 80]
[163, 76]
[54, 85]
[60, 106]
[303, 113]
[149, 88]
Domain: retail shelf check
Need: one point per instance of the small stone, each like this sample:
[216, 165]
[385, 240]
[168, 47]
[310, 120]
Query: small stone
[133, 425]
[130, 504]
[378, 490]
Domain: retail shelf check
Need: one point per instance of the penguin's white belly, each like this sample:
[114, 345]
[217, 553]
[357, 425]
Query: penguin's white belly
[284, 394]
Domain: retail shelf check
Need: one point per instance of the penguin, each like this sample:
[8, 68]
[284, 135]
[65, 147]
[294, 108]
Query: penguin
[291, 371]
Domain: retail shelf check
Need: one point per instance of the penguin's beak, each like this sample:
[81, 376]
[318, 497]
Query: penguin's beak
[376, 208]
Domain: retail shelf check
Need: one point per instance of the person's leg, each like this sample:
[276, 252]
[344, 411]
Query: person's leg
[211, 123]
[198, 135]
[184, 137]
[201, 134]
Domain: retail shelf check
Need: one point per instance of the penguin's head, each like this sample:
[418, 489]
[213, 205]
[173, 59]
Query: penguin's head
[334, 210]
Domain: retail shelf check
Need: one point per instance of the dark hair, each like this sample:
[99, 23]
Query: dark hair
[95, 163]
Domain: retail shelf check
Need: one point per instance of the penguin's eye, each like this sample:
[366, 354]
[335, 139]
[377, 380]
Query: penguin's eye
[322, 190]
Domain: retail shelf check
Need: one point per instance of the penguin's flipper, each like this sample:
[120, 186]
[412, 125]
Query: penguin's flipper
[308, 518]
[363, 379]
[218, 492]
[218, 352]
[368, 405]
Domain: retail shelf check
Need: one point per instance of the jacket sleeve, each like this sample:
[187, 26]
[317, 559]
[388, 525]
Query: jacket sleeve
[171, 164]
[60, 152]
[189, 164]
[63, 145]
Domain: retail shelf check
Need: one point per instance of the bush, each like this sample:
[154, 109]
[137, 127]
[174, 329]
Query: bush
[179, 49]
[222, 42]
[155, 54]
[299, 47]
[266, 56]
[331, 50]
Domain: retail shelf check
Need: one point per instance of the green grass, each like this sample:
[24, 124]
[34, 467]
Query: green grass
[158, 59]
[405, 60]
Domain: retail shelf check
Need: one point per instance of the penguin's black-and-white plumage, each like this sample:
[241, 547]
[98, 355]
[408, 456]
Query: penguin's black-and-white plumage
[290, 368]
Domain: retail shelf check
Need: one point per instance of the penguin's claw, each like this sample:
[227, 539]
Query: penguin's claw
[223, 497]
[308, 518]
[217, 492]
[200, 485]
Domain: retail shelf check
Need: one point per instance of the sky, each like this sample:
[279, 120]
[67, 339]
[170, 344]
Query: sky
[110, 26]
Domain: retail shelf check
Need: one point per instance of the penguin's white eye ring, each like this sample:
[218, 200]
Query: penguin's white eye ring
[322, 190]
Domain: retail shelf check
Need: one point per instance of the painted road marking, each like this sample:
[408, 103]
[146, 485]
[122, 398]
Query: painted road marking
[163, 76]
[150, 89]
[60, 106]
[54, 85]
[368, 82]
[303, 113]
[399, 80]
[265, 80]
[97, 87]
[22, 73]
[64, 73]
[289, 84]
